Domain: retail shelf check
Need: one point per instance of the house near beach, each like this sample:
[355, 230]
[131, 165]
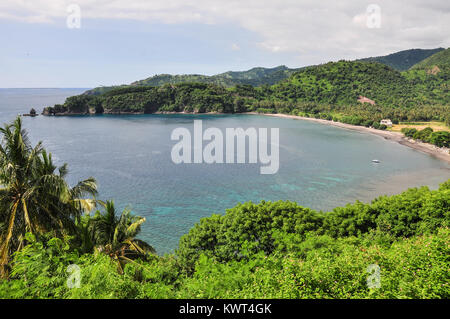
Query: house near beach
[386, 122]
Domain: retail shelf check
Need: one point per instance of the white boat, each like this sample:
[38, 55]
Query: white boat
[375, 161]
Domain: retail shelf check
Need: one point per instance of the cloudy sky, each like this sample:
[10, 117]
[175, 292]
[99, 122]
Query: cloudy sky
[87, 43]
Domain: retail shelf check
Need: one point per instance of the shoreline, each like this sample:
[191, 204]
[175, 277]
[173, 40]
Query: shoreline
[440, 153]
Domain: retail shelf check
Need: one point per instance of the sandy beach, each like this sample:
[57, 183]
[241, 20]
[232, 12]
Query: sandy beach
[441, 153]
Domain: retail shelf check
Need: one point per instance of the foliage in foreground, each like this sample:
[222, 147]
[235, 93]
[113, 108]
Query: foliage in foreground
[36, 200]
[267, 250]
[34, 196]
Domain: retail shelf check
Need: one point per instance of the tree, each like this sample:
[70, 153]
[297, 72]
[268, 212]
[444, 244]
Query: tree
[116, 235]
[33, 112]
[34, 196]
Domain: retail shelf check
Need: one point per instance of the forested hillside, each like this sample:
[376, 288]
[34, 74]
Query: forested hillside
[403, 60]
[256, 77]
[332, 88]
[431, 77]
[342, 82]
[440, 59]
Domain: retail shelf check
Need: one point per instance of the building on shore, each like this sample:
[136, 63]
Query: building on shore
[386, 122]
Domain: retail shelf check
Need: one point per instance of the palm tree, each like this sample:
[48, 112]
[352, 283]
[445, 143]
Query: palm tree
[116, 235]
[34, 196]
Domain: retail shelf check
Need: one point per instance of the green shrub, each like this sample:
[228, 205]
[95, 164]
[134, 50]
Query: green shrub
[266, 250]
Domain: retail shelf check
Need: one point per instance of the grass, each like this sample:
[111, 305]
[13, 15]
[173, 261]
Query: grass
[436, 126]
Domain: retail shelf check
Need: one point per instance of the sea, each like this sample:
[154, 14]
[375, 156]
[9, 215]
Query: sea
[130, 156]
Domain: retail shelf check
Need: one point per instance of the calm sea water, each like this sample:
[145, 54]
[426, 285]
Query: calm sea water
[320, 166]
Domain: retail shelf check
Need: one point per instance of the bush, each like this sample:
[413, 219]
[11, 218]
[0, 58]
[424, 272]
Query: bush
[440, 139]
[409, 132]
[266, 250]
[423, 135]
[251, 224]
[268, 227]
[329, 268]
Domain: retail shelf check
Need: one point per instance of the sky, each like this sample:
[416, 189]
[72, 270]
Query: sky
[89, 43]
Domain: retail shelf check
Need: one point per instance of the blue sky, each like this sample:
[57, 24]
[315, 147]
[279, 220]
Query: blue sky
[123, 41]
[105, 52]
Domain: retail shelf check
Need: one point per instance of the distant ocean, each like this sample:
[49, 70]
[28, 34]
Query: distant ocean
[320, 166]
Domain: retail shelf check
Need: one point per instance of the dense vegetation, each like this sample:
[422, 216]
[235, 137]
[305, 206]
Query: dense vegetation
[256, 77]
[36, 201]
[440, 59]
[400, 61]
[342, 82]
[34, 196]
[403, 60]
[329, 91]
[266, 250]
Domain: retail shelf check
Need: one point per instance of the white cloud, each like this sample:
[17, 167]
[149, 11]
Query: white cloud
[28, 19]
[318, 30]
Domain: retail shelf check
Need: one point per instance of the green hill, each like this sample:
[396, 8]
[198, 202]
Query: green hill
[334, 83]
[344, 81]
[256, 77]
[403, 60]
[161, 79]
[440, 59]
[431, 77]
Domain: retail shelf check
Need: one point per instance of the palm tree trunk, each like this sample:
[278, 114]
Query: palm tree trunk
[4, 250]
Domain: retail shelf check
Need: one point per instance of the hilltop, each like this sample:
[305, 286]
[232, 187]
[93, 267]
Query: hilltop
[403, 60]
[255, 76]
[431, 77]
[258, 76]
[440, 59]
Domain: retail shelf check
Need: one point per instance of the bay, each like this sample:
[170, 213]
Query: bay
[130, 156]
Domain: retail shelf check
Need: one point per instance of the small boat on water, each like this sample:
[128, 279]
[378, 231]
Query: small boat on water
[375, 161]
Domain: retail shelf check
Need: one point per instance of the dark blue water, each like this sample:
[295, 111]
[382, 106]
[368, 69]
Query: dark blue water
[320, 166]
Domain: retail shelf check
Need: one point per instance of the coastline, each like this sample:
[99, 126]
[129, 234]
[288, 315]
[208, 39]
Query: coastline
[440, 153]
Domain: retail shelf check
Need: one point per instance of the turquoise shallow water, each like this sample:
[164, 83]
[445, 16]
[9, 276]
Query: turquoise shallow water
[320, 166]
